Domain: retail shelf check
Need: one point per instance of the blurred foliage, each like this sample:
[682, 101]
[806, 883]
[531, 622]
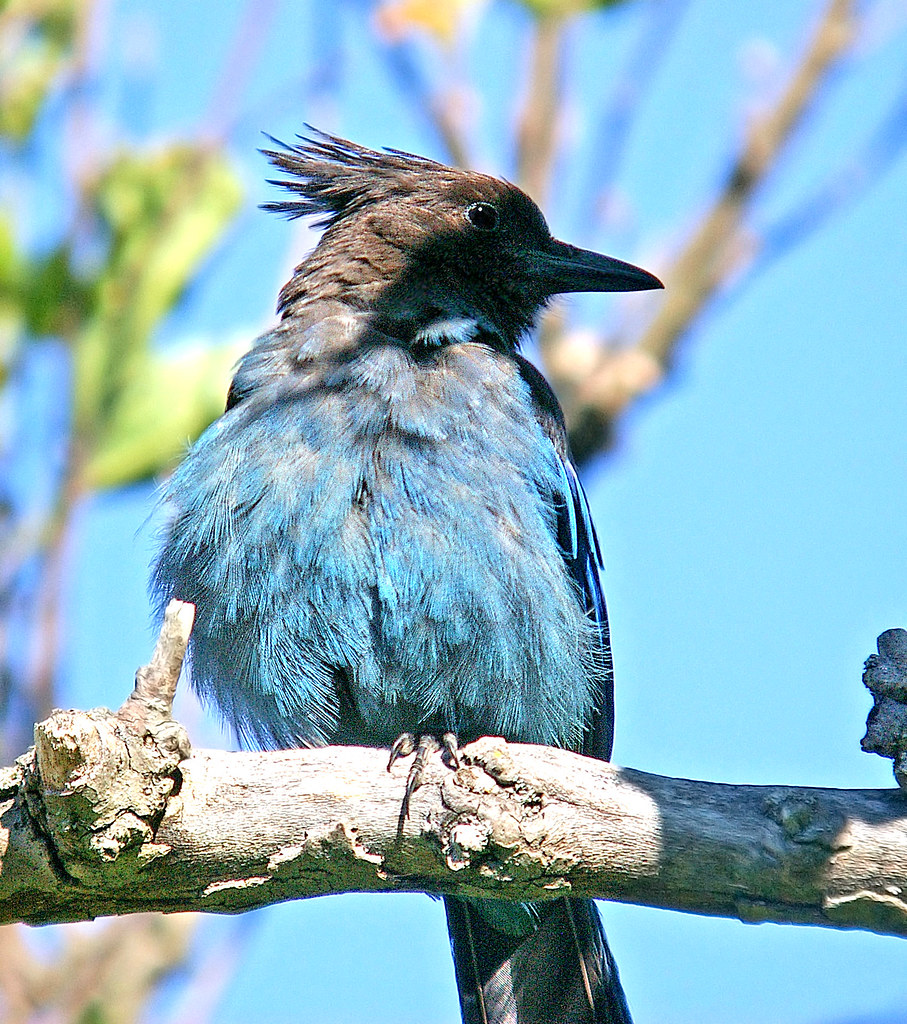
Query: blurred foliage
[37, 41]
[170, 402]
[157, 215]
[443, 19]
[563, 8]
[162, 214]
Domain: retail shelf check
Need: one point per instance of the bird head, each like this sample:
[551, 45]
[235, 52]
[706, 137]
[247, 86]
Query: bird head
[434, 253]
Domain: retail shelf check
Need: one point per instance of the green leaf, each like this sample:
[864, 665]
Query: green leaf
[39, 41]
[163, 213]
[566, 8]
[11, 277]
[177, 395]
[54, 301]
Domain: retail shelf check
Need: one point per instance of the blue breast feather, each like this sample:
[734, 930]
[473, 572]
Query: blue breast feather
[377, 545]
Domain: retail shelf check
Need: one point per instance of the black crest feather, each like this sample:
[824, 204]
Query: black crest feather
[333, 177]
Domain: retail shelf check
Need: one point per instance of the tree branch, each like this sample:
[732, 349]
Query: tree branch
[107, 814]
[244, 830]
[540, 114]
[596, 385]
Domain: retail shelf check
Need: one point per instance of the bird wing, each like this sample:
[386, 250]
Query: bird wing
[582, 556]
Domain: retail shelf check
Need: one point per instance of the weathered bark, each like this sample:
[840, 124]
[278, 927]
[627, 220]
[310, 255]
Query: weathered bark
[105, 815]
[243, 830]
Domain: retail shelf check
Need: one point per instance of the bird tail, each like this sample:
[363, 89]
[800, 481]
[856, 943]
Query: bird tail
[558, 971]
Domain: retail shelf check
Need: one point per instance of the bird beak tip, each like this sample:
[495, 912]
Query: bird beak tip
[568, 269]
[653, 283]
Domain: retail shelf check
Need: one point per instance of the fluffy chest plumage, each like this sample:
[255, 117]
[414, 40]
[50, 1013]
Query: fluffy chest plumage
[377, 546]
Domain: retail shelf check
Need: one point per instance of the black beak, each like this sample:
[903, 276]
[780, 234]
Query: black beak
[563, 268]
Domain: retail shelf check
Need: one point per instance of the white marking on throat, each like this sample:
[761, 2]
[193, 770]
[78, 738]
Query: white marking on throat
[448, 331]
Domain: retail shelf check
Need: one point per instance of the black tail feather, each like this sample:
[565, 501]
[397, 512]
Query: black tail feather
[561, 973]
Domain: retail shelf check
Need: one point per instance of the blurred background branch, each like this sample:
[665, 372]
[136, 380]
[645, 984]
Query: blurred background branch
[596, 391]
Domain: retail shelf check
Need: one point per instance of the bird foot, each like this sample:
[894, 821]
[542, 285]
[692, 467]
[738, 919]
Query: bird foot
[426, 745]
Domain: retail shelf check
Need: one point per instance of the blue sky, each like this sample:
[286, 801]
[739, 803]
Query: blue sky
[752, 517]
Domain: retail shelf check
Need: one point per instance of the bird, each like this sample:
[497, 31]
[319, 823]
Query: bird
[384, 536]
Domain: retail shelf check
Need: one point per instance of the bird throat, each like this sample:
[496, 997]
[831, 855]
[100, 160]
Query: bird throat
[447, 331]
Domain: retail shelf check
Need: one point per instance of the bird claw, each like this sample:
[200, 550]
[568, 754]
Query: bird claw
[403, 746]
[451, 750]
[427, 744]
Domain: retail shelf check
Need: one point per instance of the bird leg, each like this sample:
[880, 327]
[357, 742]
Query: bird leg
[427, 744]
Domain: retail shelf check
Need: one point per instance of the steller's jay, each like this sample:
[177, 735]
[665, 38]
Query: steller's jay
[384, 536]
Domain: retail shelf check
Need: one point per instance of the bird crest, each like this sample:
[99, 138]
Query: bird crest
[333, 178]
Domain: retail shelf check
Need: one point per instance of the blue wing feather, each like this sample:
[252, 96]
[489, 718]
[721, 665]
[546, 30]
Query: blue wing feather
[583, 558]
[568, 533]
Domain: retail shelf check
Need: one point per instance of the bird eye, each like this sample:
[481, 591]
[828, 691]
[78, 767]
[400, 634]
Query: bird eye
[482, 216]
